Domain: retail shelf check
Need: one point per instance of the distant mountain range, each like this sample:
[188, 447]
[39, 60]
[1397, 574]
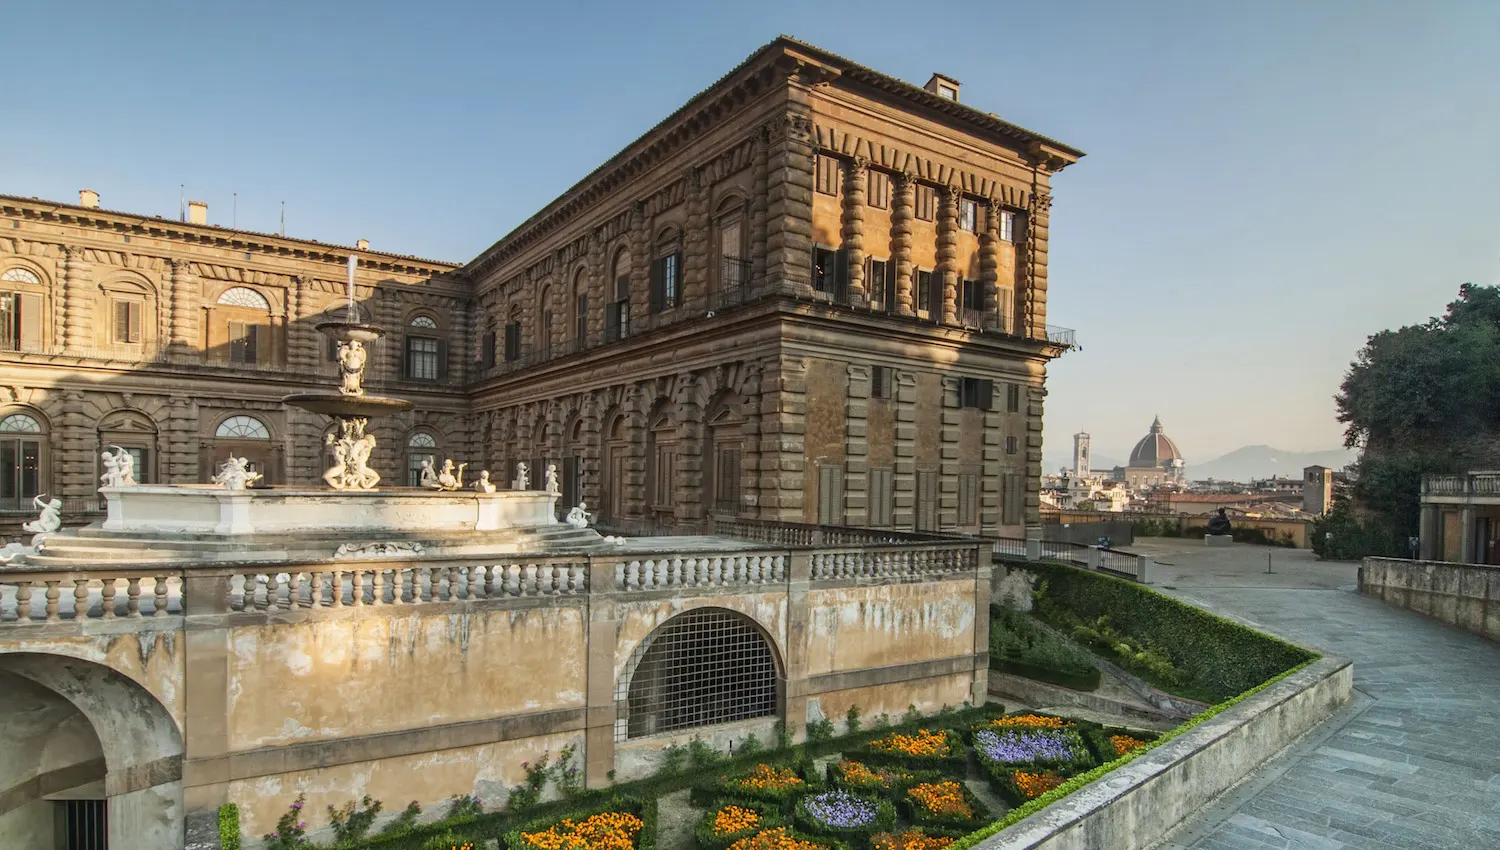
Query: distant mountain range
[1242, 464]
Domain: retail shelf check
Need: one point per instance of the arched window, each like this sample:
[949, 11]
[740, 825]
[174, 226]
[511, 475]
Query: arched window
[722, 452]
[426, 353]
[420, 446]
[20, 275]
[580, 307]
[23, 311]
[243, 436]
[661, 471]
[612, 468]
[244, 296]
[23, 461]
[702, 667]
[242, 328]
[617, 315]
[243, 428]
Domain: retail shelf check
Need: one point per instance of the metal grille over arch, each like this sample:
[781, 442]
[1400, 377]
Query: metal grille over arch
[701, 667]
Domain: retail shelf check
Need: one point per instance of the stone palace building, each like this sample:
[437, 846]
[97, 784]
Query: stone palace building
[813, 293]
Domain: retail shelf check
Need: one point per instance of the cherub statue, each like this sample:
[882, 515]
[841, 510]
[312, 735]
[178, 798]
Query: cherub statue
[551, 479]
[49, 520]
[335, 476]
[578, 517]
[119, 468]
[360, 473]
[235, 474]
[523, 478]
[351, 367]
[429, 476]
[447, 480]
[482, 484]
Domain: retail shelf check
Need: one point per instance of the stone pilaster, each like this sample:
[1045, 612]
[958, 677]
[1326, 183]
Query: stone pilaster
[185, 339]
[695, 248]
[78, 307]
[856, 175]
[688, 488]
[640, 268]
[948, 459]
[856, 446]
[989, 268]
[598, 278]
[182, 441]
[783, 428]
[904, 454]
[302, 338]
[1034, 321]
[387, 305]
[750, 443]
[789, 186]
[991, 473]
[635, 454]
[903, 209]
[603, 635]
[78, 442]
[947, 253]
[1033, 397]
[592, 451]
[758, 212]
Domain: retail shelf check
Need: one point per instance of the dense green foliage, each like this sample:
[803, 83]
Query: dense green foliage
[1342, 535]
[707, 839]
[229, 827]
[1018, 644]
[1211, 658]
[1424, 399]
[643, 809]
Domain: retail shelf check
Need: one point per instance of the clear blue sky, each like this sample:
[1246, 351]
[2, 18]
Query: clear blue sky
[1267, 182]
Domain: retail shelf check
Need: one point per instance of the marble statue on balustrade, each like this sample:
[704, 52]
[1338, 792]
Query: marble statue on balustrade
[482, 483]
[50, 519]
[578, 517]
[351, 458]
[235, 474]
[1219, 524]
[428, 477]
[523, 478]
[447, 480]
[551, 479]
[352, 367]
[119, 468]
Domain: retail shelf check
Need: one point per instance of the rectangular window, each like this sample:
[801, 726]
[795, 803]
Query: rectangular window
[617, 320]
[968, 214]
[972, 295]
[968, 498]
[581, 321]
[827, 182]
[878, 193]
[513, 341]
[663, 481]
[1007, 225]
[1012, 445]
[20, 322]
[128, 321]
[487, 357]
[243, 339]
[830, 494]
[727, 480]
[924, 294]
[1004, 301]
[1013, 499]
[421, 358]
[1012, 398]
[666, 282]
[882, 284]
[830, 272]
[881, 378]
[926, 202]
[927, 500]
[882, 496]
[332, 350]
[976, 393]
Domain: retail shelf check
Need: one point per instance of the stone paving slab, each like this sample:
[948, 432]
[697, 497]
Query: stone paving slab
[1413, 764]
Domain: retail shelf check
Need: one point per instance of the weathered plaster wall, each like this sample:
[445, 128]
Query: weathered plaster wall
[823, 441]
[152, 660]
[328, 678]
[1463, 595]
[637, 618]
[873, 626]
[51, 747]
[893, 700]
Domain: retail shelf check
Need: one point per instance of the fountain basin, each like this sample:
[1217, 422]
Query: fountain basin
[348, 406]
[154, 510]
[343, 331]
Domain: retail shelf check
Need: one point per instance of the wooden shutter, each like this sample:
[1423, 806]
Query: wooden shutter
[831, 494]
[677, 279]
[986, 394]
[442, 360]
[658, 272]
[877, 382]
[841, 274]
[489, 349]
[122, 321]
[612, 323]
[880, 497]
[30, 322]
[1012, 505]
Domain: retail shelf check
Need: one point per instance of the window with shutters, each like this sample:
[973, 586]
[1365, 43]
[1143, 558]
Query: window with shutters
[1012, 445]
[925, 295]
[128, 315]
[878, 190]
[976, 393]
[666, 282]
[968, 214]
[927, 500]
[926, 198]
[973, 299]
[830, 494]
[727, 480]
[881, 379]
[827, 178]
[1007, 226]
[1013, 499]
[487, 353]
[513, 341]
[830, 272]
[882, 496]
[1013, 398]
[244, 343]
[880, 281]
[617, 315]
[968, 498]
[20, 320]
[661, 456]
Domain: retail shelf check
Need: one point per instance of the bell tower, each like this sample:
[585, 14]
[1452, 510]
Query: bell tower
[1080, 455]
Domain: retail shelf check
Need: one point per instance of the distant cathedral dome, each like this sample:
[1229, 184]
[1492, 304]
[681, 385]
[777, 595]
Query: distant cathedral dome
[1155, 450]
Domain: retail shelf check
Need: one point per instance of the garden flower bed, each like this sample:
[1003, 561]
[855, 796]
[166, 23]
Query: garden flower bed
[944, 807]
[1021, 786]
[624, 824]
[731, 821]
[839, 813]
[911, 839]
[778, 784]
[1061, 749]
[922, 749]
[857, 776]
[782, 838]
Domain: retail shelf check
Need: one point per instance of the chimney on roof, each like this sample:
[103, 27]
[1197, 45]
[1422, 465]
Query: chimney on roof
[363, 244]
[197, 212]
[88, 198]
[944, 87]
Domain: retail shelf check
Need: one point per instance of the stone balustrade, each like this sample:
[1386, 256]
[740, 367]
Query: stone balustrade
[53, 597]
[700, 571]
[893, 564]
[402, 585]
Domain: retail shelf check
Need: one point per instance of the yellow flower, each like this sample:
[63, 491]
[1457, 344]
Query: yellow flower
[857, 774]
[1125, 743]
[732, 819]
[1030, 721]
[774, 839]
[764, 777]
[942, 798]
[920, 743]
[604, 831]
[1034, 785]
[910, 840]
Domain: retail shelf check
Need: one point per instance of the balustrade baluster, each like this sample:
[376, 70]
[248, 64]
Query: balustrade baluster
[161, 597]
[107, 599]
[530, 589]
[476, 582]
[575, 578]
[513, 580]
[294, 590]
[315, 590]
[716, 571]
[377, 587]
[23, 601]
[620, 575]
[337, 595]
[80, 599]
[398, 586]
[133, 596]
[52, 594]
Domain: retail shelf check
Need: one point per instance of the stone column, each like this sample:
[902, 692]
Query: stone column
[1431, 533]
[750, 443]
[947, 252]
[77, 305]
[688, 495]
[855, 176]
[599, 283]
[302, 339]
[593, 451]
[904, 455]
[758, 212]
[185, 341]
[635, 454]
[695, 247]
[903, 209]
[1466, 554]
[640, 268]
[783, 428]
[78, 442]
[989, 267]
[181, 465]
[856, 446]
[789, 183]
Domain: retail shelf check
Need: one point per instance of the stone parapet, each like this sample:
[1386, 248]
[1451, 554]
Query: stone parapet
[1462, 595]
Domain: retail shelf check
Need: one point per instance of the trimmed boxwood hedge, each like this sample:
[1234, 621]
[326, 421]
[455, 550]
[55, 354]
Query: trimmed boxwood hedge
[955, 759]
[643, 809]
[939, 825]
[1083, 682]
[1216, 658]
[707, 839]
[721, 788]
[1084, 759]
[1019, 645]
[1004, 783]
[897, 778]
[856, 836]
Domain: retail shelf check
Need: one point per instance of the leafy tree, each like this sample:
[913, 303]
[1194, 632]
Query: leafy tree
[1420, 400]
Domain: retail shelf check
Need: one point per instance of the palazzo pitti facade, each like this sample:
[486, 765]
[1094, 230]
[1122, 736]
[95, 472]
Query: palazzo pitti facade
[813, 293]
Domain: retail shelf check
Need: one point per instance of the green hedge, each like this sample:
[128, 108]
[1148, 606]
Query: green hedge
[954, 825]
[727, 786]
[855, 836]
[891, 781]
[643, 809]
[707, 839]
[1214, 658]
[955, 758]
[1019, 645]
[229, 827]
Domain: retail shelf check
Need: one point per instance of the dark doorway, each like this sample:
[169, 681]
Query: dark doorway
[85, 824]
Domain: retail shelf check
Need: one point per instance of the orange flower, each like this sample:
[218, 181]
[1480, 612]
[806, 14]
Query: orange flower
[764, 777]
[910, 840]
[855, 773]
[1030, 721]
[774, 839]
[942, 798]
[1125, 743]
[922, 743]
[604, 831]
[1034, 785]
[732, 819]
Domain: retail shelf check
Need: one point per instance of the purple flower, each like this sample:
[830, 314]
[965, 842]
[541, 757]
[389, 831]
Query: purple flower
[839, 808]
[297, 805]
[1019, 746]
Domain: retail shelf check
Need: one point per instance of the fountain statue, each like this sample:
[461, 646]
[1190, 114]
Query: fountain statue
[447, 479]
[235, 474]
[550, 480]
[482, 484]
[351, 405]
[523, 478]
[50, 519]
[119, 468]
[578, 517]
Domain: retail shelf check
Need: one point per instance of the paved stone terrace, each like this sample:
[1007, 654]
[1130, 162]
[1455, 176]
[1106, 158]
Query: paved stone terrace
[1413, 763]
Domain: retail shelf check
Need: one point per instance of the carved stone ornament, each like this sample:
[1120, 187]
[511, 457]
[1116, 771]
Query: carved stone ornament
[50, 519]
[391, 549]
[119, 468]
[578, 517]
[235, 474]
[1041, 201]
[351, 453]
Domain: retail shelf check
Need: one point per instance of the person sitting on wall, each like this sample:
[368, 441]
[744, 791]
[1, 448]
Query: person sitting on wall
[1218, 523]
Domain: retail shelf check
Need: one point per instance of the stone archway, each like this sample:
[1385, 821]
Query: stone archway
[105, 737]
